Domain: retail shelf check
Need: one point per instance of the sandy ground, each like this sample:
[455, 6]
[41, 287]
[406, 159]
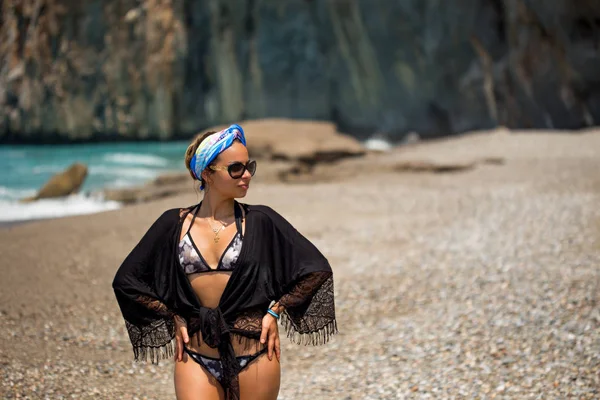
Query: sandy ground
[477, 284]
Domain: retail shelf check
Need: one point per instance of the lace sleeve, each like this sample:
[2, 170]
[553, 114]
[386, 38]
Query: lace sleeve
[303, 282]
[149, 323]
[304, 290]
[156, 305]
[309, 315]
[153, 340]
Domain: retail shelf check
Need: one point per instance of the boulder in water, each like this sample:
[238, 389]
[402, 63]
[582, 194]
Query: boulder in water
[62, 184]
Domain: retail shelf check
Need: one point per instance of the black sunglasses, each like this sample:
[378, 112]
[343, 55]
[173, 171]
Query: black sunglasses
[237, 169]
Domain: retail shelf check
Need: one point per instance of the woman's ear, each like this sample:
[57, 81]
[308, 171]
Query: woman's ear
[205, 177]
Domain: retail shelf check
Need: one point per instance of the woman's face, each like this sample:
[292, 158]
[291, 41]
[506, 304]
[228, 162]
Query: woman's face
[220, 181]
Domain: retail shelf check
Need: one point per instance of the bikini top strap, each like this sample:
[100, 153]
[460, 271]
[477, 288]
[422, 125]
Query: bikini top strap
[193, 218]
[237, 209]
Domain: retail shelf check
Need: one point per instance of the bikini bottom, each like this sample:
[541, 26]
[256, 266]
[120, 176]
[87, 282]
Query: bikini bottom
[213, 365]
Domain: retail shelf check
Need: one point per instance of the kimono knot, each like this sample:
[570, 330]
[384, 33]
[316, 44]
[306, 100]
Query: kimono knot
[213, 326]
[215, 333]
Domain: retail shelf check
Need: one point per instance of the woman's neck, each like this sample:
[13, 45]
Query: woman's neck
[216, 207]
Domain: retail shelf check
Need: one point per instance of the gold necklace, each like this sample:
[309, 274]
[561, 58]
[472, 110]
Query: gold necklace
[217, 230]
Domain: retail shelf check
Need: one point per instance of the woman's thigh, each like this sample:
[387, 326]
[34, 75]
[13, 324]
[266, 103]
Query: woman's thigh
[192, 382]
[260, 379]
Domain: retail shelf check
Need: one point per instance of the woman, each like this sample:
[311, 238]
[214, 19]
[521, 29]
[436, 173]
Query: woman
[217, 277]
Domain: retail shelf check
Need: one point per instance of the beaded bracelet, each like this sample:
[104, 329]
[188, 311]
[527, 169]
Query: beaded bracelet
[273, 313]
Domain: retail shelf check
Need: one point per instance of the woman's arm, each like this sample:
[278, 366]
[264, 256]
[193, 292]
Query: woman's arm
[149, 322]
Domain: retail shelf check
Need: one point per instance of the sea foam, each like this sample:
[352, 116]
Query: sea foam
[76, 204]
[136, 159]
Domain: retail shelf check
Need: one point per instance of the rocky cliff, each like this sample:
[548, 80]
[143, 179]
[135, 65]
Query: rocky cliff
[95, 70]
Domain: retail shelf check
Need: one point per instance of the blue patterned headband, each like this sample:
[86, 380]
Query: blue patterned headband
[214, 145]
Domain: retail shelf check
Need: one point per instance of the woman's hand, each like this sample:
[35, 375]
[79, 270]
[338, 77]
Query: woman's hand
[181, 337]
[270, 333]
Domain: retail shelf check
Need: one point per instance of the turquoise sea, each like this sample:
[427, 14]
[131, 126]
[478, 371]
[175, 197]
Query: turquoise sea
[25, 168]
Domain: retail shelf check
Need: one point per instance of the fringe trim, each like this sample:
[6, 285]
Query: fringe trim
[154, 353]
[247, 340]
[316, 338]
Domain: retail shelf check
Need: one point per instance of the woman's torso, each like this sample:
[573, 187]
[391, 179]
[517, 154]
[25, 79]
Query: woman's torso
[208, 260]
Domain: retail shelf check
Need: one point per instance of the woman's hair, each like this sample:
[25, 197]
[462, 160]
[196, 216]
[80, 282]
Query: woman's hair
[191, 150]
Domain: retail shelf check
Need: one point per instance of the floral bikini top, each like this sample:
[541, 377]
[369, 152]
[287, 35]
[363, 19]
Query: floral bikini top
[191, 259]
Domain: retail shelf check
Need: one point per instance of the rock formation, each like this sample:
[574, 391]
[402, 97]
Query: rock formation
[294, 141]
[162, 69]
[285, 149]
[62, 184]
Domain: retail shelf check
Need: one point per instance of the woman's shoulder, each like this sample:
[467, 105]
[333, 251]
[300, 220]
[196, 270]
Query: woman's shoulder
[266, 213]
[173, 215]
[165, 220]
[261, 211]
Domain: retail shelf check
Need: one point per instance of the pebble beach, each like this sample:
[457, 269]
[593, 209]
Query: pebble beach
[476, 284]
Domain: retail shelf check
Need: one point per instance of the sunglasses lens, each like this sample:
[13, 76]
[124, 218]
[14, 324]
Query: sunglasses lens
[236, 170]
[252, 167]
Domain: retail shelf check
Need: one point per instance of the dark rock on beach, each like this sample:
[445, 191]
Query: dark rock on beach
[308, 142]
[284, 149]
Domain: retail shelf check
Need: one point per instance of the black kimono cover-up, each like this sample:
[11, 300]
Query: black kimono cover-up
[276, 263]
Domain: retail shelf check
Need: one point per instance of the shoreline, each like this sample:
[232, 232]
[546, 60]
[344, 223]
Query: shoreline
[19, 222]
[171, 182]
[84, 203]
[10, 224]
